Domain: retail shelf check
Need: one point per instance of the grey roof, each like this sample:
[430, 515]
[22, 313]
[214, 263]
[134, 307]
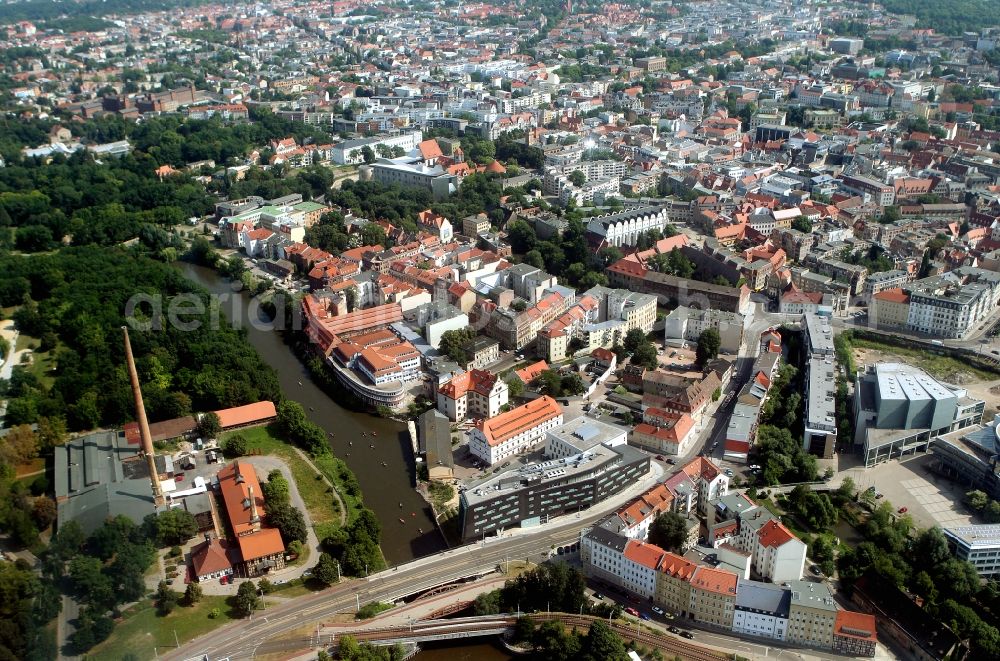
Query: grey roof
[584, 433]
[812, 595]
[99, 476]
[434, 433]
[606, 537]
[763, 598]
[985, 536]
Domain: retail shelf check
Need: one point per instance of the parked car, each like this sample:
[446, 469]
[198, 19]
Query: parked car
[902, 510]
[644, 616]
[179, 477]
[687, 634]
[815, 569]
[660, 457]
[632, 611]
[657, 610]
[729, 472]
[598, 596]
[671, 461]
[673, 630]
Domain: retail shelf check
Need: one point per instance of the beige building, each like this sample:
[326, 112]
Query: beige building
[889, 309]
[812, 614]
[673, 584]
[713, 596]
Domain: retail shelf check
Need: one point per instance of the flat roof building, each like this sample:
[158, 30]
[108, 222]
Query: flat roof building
[978, 544]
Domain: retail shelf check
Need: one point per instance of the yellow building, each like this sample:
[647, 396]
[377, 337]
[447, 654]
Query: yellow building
[713, 596]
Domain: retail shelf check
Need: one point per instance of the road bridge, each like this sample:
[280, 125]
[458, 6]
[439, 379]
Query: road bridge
[494, 625]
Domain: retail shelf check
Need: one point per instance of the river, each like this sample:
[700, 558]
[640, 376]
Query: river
[388, 490]
[463, 651]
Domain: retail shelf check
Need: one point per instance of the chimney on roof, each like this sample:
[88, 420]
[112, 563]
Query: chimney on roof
[254, 517]
[140, 414]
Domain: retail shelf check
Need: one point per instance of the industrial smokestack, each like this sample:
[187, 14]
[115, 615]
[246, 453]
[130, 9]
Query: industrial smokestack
[253, 505]
[140, 414]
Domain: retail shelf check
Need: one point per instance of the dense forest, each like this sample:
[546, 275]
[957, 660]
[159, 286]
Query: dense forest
[74, 301]
[45, 10]
[952, 17]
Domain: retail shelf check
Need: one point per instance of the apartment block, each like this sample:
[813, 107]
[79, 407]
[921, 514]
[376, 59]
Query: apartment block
[473, 394]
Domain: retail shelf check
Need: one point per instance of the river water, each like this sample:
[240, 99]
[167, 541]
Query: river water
[463, 651]
[408, 529]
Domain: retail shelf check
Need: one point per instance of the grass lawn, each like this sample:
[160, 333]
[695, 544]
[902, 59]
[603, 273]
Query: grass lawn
[324, 510]
[941, 367]
[141, 628]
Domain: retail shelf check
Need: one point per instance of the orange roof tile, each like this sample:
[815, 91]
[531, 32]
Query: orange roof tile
[641, 553]
[264, 542]
[719, 581]
[893, 296]
[236, 481]
[855, 625]
[527, 416]
[774, 534]
[248, 414]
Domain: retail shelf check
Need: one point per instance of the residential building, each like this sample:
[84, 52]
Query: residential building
[761, 610]
[672, 290]
[855, 634]
[812, 614]
[819, 436]
[515, 431]
[954, 303]
[633, 520]
[623, 228]
[673, 587]
[639, 568]
[889, 309]
[778, 555]
[713, 596]
[687, 324]
[671, 434]
[481, 352]
[474, 394]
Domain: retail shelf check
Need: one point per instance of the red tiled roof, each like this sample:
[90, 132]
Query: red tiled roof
[212, 556]
[264, 542]
[774, 534]
[244, 415]
[893, 296]
[527, 416]
[236, 482]
[529, 373]
[855, 625]
[719, 581]
[641, 553]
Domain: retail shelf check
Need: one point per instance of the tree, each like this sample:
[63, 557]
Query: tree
[289, 521]
[265, 586]
[246, 600]
[326, 570]
[275, 490]
[634, 339]
[977, 500]
[577, 178]
[367, 155]
[373, 235]
[645, 355]
[514, 386]
[165, 598]
[669, 531]
[453, 343]
[209, 425]
[708, 346]
[802, 224]
[572, 384]
[235, 446]
[603, 644]
[19, 445]
[192, 593]
[488, 603]
[549, 383]
[43, 512]
[173, 526]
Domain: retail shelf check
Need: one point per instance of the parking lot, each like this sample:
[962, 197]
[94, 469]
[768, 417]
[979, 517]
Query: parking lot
[930, 499]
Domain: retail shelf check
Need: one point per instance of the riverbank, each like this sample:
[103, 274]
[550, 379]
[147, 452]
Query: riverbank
[377, 451]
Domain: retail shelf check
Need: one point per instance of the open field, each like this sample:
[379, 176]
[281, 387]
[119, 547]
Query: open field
[142, 629]
[947, 369]
[324, 507]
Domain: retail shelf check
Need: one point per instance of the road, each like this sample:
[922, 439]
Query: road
[240, 639]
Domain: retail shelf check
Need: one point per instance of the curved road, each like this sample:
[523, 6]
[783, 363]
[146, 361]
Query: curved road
[241, 639]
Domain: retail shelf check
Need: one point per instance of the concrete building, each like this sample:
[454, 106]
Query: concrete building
[777, 554]
[349, 152]
[687, 324]
[819, 436]
[954, 303]
[977, 544]
[899, 409]
[515, 431]
[580, 435]
[526, 495]
[889, 309]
